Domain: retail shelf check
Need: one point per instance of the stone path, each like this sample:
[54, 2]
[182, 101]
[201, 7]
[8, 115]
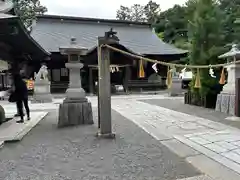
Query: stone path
[210, 146]
[217, 141]
[11, 131]
[178, 105]
[76, 154]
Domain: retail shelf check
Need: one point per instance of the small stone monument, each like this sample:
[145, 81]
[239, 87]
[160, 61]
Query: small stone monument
[42, 92]
[76, 109]
[176, 87]
[226, 99]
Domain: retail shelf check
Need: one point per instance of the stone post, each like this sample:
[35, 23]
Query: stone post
[75, 110]
[104, 85]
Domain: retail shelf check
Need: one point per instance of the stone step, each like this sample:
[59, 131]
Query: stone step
[11, 131]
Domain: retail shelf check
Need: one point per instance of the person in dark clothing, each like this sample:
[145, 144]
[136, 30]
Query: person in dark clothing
[21, 95]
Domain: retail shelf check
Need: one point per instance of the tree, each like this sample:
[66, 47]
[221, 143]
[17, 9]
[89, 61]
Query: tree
[173, 23]
[139, 13]
[231, 11]
[134, 13]
[124, 13]
[27, 10]
[152, 11]
[205, 33]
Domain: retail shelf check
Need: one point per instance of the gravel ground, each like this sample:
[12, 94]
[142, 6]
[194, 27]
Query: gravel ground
[48, 153]
[178, 105]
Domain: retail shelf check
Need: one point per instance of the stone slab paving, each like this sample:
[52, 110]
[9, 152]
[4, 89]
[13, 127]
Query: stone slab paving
[211, 114]
[75, 153]
[11, 131]
[10, 108]
[213, 139]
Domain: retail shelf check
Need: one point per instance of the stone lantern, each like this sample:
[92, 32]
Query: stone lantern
[76, 109]
[226, 100]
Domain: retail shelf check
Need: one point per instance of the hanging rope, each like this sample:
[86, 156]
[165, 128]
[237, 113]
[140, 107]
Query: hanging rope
[168, 64]
[169, 78]
[222, 78]
[141, 70]
[198, 80]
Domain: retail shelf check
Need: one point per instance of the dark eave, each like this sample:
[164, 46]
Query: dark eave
[21, 41]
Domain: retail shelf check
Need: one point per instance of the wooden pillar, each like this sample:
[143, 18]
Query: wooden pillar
[90, 78]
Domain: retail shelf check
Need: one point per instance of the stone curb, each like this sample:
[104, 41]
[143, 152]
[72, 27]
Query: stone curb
[12, 132]
[23, 133]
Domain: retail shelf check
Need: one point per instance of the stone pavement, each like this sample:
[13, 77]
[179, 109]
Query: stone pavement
[178, 105]
[49, 153]
[11, 131]
[210, 146]
[189, 136]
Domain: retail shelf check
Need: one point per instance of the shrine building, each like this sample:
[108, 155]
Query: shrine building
[27, 50]
[52, 32]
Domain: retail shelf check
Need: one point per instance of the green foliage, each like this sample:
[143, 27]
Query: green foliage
[231, 11]
[27, 10]
[124, 13]
[204, 27]
[137, 13]
[152, 11]
[205, 34]
[173, 24]
[160, 35]
[148, 13]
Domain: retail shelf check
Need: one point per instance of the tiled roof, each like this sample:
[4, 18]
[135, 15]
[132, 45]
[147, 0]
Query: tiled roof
[51, 32]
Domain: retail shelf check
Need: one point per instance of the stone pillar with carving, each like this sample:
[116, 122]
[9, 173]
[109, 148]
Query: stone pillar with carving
[75, 109]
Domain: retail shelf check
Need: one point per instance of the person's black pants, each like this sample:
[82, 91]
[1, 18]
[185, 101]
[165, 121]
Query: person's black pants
[20, 107]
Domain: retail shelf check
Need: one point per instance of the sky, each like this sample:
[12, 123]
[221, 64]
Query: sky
[97, 8]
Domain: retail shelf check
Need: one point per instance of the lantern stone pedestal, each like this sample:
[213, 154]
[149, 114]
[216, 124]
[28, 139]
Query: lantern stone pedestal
[75, 109]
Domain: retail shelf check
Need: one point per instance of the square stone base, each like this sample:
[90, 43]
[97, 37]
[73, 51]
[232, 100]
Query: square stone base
[74, 112]
[226, 103]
